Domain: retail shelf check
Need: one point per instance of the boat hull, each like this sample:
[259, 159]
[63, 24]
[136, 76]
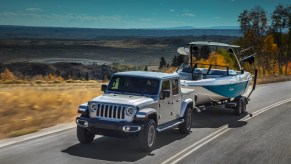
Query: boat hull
[211, 90]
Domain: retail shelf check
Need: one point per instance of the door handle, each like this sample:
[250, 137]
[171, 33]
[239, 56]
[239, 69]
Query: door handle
[178, 100]
[170, 102]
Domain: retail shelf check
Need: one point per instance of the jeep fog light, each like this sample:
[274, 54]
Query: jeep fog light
[129, 111]
[85, 124]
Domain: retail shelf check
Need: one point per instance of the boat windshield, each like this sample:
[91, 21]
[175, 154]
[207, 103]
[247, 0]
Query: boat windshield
[134, 85]
[205, 71]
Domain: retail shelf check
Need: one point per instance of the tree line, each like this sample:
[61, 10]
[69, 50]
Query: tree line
[271, 37]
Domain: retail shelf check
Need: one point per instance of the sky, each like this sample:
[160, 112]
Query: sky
[128, 13]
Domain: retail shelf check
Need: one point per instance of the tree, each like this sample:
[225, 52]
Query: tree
[279, 21]
[259, 20]
[174, 61]
[244, 20]
[177, 60]
[7, 75]
[288, 14]
[270, 51]
[253, 23]
[162, 63]
[146, 68]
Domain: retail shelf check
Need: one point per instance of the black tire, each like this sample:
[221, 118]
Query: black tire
[185, 127]
[239, 107]
[147, 137]
[84, 135]
[244, 109]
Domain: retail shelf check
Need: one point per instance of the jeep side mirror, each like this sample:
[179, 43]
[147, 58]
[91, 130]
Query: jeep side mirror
[166, 93]
[103, 87]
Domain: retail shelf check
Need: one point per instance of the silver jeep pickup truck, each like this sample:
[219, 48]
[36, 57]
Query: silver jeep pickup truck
[137, 104]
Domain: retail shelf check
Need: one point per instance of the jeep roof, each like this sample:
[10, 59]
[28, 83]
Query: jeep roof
[157, 75]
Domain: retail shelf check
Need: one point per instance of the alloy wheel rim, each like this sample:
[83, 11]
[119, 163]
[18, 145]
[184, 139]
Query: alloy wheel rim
[188, 123]
[151, 135]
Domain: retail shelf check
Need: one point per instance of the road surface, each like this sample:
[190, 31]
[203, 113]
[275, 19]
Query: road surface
[217, 136]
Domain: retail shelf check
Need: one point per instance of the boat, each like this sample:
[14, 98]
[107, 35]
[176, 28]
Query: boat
[214, 78]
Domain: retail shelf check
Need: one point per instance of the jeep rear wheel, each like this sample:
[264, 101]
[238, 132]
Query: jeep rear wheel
[84, 135]
[147, 137]
[185, 127]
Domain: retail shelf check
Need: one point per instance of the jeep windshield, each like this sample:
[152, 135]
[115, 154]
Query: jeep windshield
[134, 85]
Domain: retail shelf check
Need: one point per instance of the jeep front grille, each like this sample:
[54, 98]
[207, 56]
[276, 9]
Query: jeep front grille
[110, 111]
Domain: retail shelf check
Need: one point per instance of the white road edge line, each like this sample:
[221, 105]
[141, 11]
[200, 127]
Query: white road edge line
[41, 133]
[197, 145]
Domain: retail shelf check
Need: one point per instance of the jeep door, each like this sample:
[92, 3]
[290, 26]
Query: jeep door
[176, 98]
[165, 104]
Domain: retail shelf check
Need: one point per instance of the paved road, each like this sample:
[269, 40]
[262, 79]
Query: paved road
[265, 138]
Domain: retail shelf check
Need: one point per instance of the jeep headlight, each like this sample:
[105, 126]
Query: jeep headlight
[92, 106]
[129, 111]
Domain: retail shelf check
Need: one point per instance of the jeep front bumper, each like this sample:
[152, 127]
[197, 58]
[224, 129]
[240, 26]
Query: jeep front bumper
[103, 125]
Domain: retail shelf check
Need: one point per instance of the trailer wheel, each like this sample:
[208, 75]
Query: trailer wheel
[244, 109]
[239, 107]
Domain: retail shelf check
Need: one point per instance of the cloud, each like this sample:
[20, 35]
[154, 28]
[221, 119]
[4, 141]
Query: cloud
[188, 14]
[172, 10]
[34, 10]
[217, 17]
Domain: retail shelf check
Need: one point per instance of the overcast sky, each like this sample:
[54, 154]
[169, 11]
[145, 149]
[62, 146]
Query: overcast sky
[128, 13]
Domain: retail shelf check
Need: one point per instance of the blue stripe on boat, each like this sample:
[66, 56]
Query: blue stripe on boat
[229, 90]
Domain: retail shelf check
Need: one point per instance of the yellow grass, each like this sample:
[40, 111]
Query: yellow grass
[273, 79]
[25, 108]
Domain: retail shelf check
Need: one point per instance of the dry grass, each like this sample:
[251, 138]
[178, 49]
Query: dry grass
[25, 108]
[273, 79]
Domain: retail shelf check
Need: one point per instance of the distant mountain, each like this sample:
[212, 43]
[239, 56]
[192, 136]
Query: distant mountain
[91, 33]
[193, 28]
[223, 27]
[180, 28]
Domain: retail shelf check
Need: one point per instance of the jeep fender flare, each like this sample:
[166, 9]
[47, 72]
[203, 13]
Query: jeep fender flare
[145, 114]
[184, 106]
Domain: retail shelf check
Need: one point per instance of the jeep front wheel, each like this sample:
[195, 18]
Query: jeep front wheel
[185, 127]
[147, 137]
[84, 135]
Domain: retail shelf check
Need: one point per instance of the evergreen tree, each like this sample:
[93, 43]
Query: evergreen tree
[162, 63]
[174, 61]
[146, 68]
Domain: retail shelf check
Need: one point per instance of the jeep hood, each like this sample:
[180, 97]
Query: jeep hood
[123, 99]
